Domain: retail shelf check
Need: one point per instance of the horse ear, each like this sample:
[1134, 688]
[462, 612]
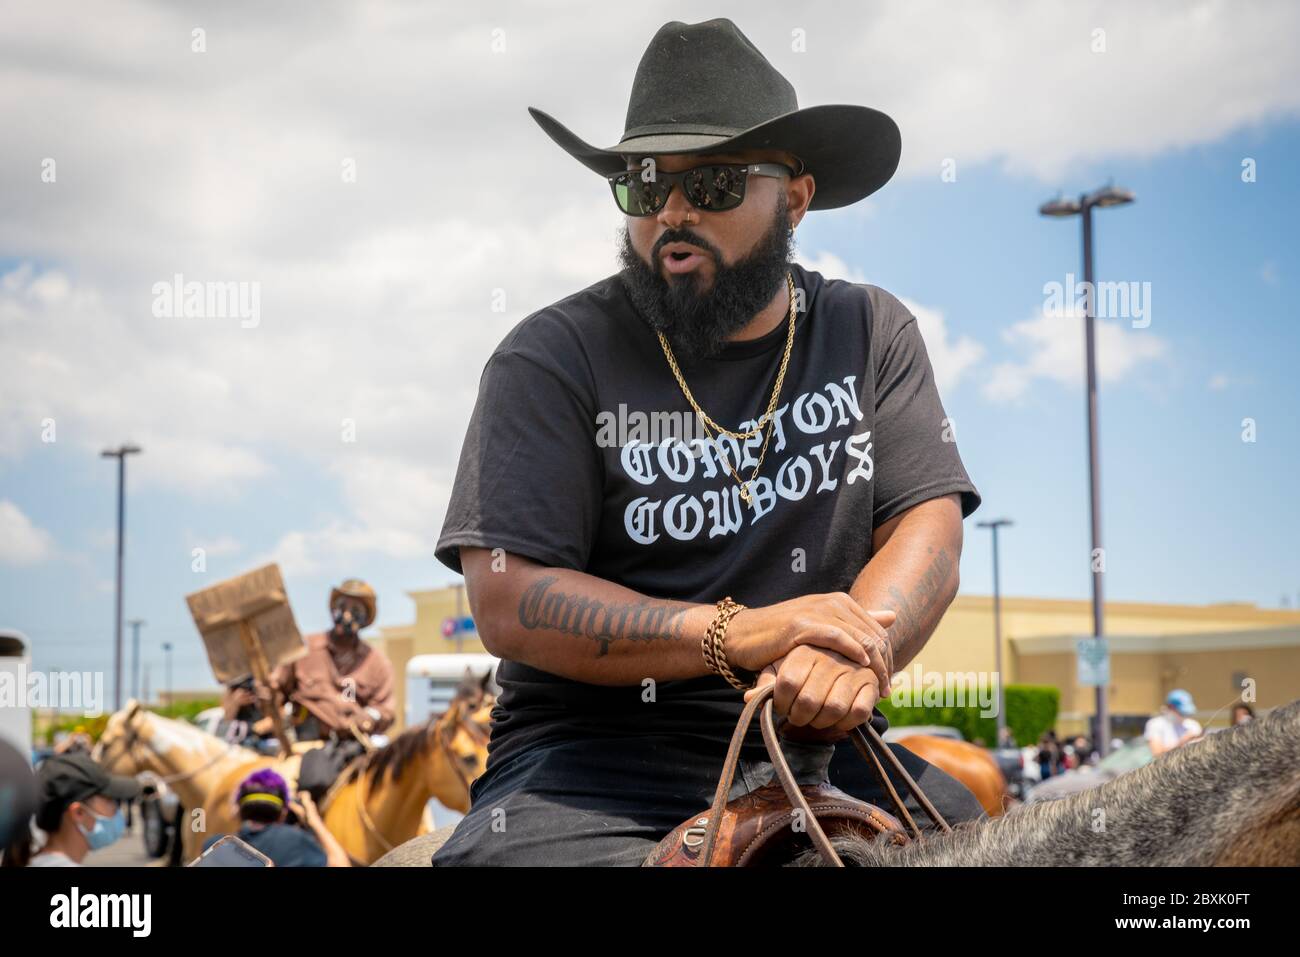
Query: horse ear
[467, 684]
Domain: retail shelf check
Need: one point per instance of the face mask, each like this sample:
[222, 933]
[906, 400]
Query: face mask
[345, 621]
[106, 830]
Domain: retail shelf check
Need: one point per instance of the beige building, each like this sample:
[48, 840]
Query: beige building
[424, 636]
[1208, 649]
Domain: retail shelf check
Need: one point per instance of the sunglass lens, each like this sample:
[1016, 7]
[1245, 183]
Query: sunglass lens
[635, 196]
[715, 188]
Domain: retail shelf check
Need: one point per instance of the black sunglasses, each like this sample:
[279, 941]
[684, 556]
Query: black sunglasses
[716, 187]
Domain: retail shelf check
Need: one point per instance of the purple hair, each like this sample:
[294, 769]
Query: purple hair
[264, 781]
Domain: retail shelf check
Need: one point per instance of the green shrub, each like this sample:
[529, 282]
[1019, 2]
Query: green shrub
[1031, 710]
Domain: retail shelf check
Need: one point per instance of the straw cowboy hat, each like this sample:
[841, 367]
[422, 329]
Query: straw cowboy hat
[704, 87]
[356, 588]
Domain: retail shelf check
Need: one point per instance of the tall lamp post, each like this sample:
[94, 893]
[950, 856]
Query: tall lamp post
[120, 453]
[1102, 198]
[135, 624]
[997, 626]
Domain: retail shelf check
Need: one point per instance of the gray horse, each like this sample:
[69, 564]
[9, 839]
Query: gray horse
[1231, 798]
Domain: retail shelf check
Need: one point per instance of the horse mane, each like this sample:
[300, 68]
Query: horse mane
[1232, 795]
[394, 756]
[413, 742]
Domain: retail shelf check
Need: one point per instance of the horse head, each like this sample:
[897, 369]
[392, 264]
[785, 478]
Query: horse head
[119, 749]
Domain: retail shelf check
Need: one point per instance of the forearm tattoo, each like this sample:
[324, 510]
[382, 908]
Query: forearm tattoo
[919, 611]
[542, 606]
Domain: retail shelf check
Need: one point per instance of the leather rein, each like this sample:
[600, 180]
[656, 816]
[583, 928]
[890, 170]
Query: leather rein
[869, 744]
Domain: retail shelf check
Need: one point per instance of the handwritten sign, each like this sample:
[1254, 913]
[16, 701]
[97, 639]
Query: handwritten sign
[258, 598]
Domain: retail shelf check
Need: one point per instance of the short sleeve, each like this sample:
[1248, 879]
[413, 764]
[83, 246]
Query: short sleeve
[916, 456]
[529, 479]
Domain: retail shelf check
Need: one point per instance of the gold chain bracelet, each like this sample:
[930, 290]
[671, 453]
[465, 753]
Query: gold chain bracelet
[715, 656]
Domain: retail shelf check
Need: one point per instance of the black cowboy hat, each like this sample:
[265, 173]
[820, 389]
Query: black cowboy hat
[705, 88]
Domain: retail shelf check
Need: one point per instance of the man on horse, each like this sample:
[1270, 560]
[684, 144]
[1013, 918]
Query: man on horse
[638, 562]
[340, 684]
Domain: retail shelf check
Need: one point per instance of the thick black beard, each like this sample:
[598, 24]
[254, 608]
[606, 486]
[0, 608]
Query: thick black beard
[699, 323]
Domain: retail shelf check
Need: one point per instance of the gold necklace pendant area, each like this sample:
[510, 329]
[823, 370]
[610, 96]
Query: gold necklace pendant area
[768, 418]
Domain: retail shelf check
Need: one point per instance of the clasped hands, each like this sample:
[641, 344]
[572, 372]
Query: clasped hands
[829, 658]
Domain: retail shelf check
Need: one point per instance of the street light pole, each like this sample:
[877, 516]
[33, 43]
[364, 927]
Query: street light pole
[997, 626]
[135, 624]
[120, 453]
[1105, 197]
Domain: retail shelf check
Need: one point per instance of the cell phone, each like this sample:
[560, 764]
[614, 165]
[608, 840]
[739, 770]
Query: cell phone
[231, 851]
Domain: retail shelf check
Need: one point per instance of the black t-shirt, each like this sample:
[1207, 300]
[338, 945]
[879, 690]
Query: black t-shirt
[574, 458]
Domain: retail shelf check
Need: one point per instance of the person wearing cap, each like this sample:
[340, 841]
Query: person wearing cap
[79, 810]
[263, 799]
[712, 468]
[1174, 726]
[342, 681]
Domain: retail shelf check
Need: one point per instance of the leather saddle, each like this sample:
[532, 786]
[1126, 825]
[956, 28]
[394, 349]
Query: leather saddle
[772, 823]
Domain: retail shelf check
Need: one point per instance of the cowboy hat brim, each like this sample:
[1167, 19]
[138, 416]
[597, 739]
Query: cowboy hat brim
[851, 151]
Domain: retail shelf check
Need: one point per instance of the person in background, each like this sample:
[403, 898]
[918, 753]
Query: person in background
[342, 680]
[1083, 753]
[263, 799]
[79, 810]
[1174, 726]
[77, 742]
[1049, 755]
[1242, 713]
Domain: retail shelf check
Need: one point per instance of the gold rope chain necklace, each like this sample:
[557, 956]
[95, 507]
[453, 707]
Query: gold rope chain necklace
[768, 418]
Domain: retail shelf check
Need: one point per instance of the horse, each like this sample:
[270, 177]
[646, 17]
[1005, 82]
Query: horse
[1231, 799]
[373, 806]
[968, 763]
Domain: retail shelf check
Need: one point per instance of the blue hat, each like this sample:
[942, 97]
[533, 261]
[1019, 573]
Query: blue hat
[1181, 701]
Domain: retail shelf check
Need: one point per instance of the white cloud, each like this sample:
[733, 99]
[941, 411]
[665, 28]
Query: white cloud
[218, 547]
[951, 358]
[376, 295]
[21, 542]
[1052, 349]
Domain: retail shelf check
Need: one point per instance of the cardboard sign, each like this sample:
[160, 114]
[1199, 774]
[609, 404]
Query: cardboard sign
[259, 598]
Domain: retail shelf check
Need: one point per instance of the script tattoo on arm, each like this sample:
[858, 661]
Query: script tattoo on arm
[919, 611]
[543, 606]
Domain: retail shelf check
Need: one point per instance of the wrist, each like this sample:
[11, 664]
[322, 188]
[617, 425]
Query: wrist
[713, 647]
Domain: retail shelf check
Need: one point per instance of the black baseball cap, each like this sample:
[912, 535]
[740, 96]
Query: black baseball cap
[65, 778]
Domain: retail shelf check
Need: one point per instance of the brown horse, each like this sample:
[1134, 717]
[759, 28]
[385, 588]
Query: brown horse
[968, 763]
[373, 807]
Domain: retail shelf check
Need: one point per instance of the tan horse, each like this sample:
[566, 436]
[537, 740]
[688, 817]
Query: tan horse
[968, 763]
[372, 808]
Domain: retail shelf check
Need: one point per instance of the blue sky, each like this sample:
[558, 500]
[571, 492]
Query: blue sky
[242, 455]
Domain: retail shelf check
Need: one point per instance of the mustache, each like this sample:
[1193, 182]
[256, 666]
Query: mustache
[680, 235]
